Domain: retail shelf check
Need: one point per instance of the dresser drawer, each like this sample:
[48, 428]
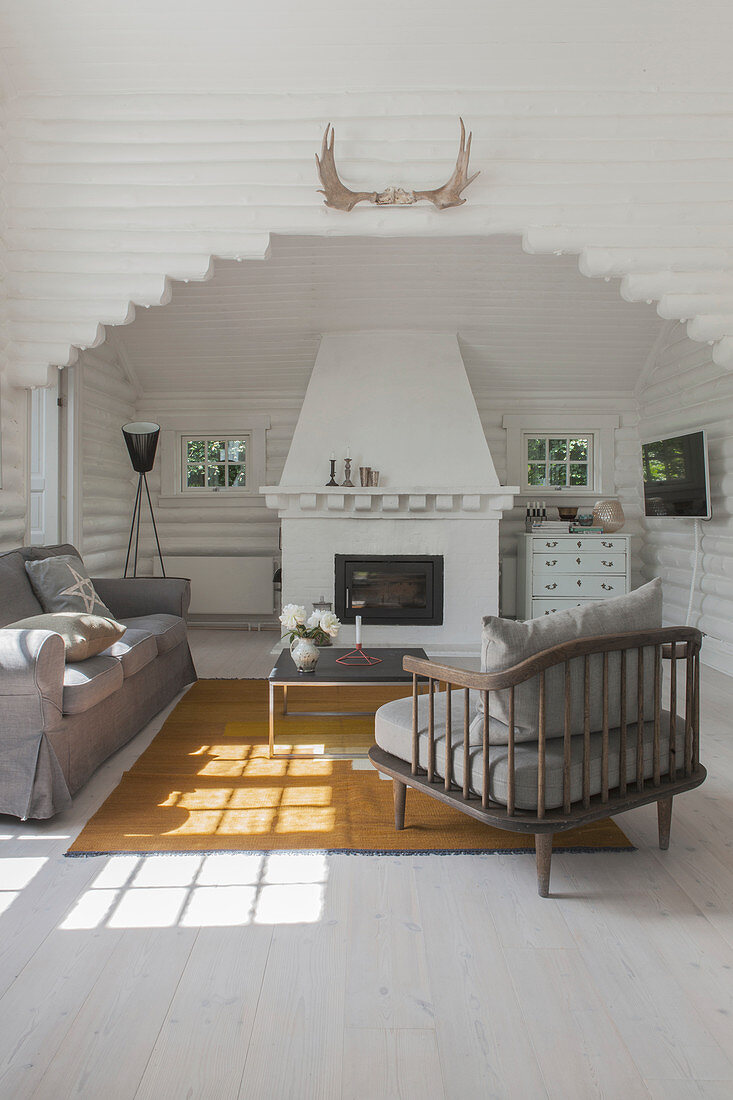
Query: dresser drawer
[565, 544]
[579, 563]
[547, 607]
[590, 587]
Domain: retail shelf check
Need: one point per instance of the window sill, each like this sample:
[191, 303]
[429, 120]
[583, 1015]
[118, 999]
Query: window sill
[245, 498]
[550, 495]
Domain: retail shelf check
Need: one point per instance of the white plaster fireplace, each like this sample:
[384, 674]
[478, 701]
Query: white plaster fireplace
[402, 403]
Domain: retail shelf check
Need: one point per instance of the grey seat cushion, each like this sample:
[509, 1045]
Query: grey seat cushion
[393, 732]
[18, 598]
[89, 682]
[505, 643]
[168, 630]
[135, 650]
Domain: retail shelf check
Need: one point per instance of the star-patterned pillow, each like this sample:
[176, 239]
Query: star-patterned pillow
[63, 584]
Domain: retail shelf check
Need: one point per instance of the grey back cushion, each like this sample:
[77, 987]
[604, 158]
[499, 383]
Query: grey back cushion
[505, 643]
[17, 598]
[62, 583]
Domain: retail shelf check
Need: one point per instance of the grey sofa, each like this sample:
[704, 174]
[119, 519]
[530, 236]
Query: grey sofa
[59, 721]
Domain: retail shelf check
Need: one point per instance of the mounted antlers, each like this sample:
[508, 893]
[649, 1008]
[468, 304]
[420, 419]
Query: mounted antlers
[339, 197]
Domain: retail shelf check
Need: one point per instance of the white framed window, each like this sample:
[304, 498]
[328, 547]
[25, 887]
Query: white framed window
[213, 465]
[570, 454]
[212, 456]
[557, 461]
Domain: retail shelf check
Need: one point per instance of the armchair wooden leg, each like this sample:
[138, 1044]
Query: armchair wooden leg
[399, 791]
[664, 818]
[543, 848]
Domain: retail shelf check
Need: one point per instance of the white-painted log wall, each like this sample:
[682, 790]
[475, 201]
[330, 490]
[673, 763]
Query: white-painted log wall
[683, 390]
[106, 402]
[13, 494]
[241, 526]
[108, 195]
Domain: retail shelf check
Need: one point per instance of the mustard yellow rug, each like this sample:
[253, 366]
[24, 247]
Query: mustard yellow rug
[205, 784]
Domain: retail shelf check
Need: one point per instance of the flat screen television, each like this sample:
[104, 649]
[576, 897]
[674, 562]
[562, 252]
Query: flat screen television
[676, 477]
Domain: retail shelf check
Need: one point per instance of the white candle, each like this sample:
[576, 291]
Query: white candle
[358, 629]
[333, 456]
[348, 452]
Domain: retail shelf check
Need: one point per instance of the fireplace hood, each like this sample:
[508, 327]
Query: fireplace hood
[401, 402]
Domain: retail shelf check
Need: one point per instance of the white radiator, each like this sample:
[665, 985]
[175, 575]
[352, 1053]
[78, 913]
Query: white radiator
[225, 585]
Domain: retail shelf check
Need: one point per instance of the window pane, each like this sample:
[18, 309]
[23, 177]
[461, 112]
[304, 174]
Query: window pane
[236, 474]
[216, 476]
[558, 450]
[578, 473]
[195, 477]
[558, 474]
[579, 450]
[195, 450]
[236, 449]
[217, 450]
[536, 473]
[536, 450]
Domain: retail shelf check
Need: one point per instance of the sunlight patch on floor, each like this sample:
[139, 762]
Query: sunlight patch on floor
[198, 891]
[15, 874]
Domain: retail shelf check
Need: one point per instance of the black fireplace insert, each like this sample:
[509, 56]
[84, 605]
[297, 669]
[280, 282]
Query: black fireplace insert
[389, 589]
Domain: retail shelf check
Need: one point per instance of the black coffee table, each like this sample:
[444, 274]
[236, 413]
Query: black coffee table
[329, 673]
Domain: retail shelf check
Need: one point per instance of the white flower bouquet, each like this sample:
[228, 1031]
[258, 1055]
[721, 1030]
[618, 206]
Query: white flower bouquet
[320, 626]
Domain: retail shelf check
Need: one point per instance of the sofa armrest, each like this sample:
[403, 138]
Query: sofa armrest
[129, 597]
[31, 680]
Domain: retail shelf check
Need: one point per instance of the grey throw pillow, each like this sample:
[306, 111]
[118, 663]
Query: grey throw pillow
[63, 584]
[505, 643]
[84, 635]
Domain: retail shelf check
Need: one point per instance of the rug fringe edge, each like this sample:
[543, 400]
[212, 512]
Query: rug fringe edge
[348, 851]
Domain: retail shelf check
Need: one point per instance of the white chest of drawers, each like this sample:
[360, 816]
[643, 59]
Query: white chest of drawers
[557, 571]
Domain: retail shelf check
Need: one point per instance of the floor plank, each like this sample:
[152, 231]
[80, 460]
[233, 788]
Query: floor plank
[201, 1048]
[392, 1064]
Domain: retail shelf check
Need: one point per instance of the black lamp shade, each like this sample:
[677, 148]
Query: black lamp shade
[141, 438]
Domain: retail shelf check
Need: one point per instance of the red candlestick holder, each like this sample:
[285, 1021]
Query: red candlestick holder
[357, 656]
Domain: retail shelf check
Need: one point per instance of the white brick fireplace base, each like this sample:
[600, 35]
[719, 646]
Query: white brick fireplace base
[470, 548]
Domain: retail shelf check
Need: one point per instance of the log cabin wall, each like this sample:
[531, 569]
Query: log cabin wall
[683, 389]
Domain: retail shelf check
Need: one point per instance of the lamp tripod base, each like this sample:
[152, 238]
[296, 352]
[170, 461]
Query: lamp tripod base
[357, 656]
[142, 481]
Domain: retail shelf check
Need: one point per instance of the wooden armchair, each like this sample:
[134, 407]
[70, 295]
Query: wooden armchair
[596, 767]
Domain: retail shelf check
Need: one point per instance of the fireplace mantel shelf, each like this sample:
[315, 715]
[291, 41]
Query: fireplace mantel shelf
[391, 500]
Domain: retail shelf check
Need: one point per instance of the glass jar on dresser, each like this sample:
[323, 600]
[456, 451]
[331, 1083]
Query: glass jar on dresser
[557, 571]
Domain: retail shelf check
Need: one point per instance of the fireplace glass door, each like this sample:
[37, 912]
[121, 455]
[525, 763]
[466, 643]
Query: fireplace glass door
[390, 589]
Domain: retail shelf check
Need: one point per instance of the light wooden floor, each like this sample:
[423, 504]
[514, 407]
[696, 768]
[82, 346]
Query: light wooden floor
[305, 976]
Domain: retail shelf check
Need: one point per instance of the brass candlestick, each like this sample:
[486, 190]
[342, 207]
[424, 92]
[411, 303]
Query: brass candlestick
[347, 482]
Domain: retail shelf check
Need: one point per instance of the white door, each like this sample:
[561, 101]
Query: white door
[44, 467]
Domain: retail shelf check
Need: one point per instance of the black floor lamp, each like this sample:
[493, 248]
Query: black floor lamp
[141, 438]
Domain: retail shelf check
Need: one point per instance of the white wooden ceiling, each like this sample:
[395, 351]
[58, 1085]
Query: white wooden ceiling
[524, 322]
[102, 46]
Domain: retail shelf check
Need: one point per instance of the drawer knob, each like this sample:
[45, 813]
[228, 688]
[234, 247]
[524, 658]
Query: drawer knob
[579, 544]
[608, 564]
[550, 544]
[554, 562]
[578, 560]
[579, 584]
[550, 586]
[608, 545]
[608, 587]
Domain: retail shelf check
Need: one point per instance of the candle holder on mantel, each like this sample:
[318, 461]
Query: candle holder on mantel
[333, 480]
[347, 483]
[357, 656]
